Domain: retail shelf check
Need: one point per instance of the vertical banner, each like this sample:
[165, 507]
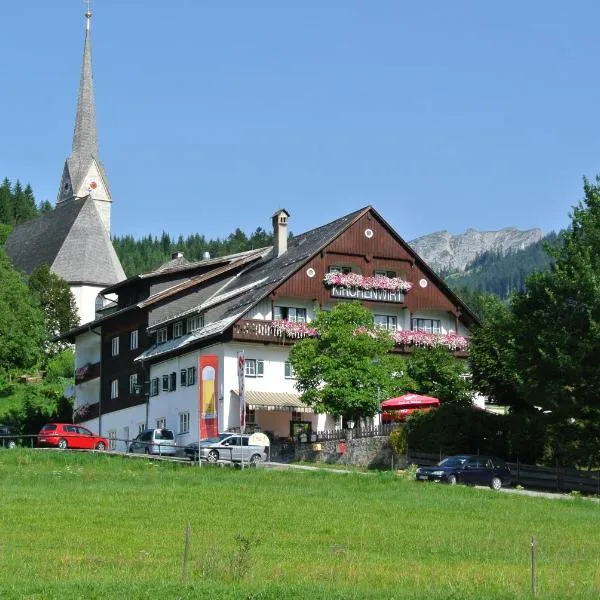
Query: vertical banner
[242, 388]
[208, 370]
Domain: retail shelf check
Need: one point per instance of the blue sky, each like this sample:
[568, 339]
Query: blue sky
[211, 115]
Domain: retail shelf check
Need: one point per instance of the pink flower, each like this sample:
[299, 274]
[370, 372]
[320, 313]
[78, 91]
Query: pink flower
[294, 330]
[430, 340]
[379, 282]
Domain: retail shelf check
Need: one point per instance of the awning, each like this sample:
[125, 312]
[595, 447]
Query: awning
[274, 401]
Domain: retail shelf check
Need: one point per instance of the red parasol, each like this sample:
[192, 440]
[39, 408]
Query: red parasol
[410, 401]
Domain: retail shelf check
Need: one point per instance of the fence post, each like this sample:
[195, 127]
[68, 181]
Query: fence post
[533, 573]
[518, 471]
[186, 555]
[557, 482]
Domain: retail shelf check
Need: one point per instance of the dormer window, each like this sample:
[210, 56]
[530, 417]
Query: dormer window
[161, 335]
[178, 329]
[194, 323]
[390, 274]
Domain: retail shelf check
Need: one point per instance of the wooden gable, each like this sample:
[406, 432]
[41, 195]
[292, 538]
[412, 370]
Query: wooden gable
[368, 245]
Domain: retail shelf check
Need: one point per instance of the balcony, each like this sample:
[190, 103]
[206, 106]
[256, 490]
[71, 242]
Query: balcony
[280, 332]
[285, 332]
[88, 372]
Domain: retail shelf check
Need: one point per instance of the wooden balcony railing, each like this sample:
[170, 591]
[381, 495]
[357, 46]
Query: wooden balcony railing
[87, 373]
[259, 330]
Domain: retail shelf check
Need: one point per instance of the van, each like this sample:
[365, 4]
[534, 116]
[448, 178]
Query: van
[154, 441]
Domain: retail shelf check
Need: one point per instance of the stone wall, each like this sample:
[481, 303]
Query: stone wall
[362, 452]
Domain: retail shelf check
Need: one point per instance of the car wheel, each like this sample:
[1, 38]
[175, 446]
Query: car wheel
[100, 446]
[213, 456]
[255, 459]
[496, 483]
[451, 480]
[11, 444]
[62, 444]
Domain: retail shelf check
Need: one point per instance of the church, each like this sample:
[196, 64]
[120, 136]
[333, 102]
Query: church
[74, 238]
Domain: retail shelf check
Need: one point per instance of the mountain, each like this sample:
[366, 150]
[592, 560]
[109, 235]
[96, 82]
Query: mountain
[447, 253]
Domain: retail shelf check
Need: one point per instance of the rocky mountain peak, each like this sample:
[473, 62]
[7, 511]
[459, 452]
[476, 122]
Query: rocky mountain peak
[444, 251]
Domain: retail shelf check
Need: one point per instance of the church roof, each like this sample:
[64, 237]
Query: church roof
[71, 240]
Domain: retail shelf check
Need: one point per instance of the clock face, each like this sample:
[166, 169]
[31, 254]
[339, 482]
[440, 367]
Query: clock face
[93, 185]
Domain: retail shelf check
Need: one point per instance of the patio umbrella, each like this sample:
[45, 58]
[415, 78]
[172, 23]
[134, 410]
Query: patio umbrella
[410, 401]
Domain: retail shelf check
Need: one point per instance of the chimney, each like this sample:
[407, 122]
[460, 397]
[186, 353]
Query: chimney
[280, 231]
[177, 254]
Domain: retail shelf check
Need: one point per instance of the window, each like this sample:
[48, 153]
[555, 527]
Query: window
[161, 423]
[250, 416]
[427, 325]
[133, 340]
[114, 388]
[296, 415]
[161, 335]
[154, 387]
[165, 383]
[194, 323]
[254, 367]
[133, 379]
[191, 376]
[115, 346]
[141, 427]
[289, 313]
[112, 439]
[289, 370]
[178, 329]
[387, 322]
[173, 382]
[184, 422]
[390, 274]
[337, 269]
[183, 377]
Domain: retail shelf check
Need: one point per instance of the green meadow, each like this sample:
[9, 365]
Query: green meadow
[76, 525]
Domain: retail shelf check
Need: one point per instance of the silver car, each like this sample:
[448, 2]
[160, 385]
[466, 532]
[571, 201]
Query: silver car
[154, 441]
[231, 447]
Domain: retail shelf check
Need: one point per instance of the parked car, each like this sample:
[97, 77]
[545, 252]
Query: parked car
[69, 435]
[8, 437]
[227, 446]
[469, 469]
[154, 441]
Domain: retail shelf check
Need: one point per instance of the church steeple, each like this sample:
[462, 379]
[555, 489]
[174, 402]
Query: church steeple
[83, 174]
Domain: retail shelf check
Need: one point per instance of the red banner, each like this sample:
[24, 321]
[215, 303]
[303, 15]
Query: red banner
[208, 371]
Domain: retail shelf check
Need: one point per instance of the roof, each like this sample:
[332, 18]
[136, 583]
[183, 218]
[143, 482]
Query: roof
[72, 240]
[274, 401]
[262, 277]
[183, 266]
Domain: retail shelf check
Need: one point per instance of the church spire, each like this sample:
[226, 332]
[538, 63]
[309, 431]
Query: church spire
[85, 137]
[83, 174]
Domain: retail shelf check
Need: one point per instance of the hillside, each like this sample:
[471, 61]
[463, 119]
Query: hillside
[447, 253]
[502, 274]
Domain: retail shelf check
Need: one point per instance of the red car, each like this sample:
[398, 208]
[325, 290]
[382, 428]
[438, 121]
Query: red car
[68, 435]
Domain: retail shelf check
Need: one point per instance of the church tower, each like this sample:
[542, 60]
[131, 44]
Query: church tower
[83, 174]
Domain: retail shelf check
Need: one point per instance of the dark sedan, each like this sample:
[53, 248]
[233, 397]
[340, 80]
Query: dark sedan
[469, 469]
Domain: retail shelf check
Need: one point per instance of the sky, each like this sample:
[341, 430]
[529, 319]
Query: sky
[213, 115]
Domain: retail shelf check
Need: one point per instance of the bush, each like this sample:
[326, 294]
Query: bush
[453, 428]
[399, 440]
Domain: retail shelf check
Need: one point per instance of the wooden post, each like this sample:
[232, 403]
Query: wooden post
[533, 573]
[186, 555]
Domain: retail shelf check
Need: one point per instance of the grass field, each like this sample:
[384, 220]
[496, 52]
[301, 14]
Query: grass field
[99, 526]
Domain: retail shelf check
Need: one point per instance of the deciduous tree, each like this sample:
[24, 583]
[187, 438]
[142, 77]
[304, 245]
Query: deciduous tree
[342, 369]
